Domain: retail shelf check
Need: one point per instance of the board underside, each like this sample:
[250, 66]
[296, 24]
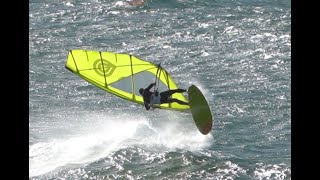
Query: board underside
[200, 110]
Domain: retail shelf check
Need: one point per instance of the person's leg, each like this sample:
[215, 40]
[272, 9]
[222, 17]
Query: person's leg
[172, 91]
[178, 90]
[165, 96]
[171, 100]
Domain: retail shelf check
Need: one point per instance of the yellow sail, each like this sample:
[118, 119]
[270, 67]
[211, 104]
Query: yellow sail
[122, 75]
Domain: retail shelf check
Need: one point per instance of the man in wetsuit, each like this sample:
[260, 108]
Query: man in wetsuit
[151, 98]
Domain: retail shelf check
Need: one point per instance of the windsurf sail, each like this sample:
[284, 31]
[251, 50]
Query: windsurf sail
[122, 75]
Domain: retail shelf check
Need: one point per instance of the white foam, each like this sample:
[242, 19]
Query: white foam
[271, 171]
[106, 134]
[46, 156]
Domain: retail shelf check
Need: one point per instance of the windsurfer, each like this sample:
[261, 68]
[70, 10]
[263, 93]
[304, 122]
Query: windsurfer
[151, 98]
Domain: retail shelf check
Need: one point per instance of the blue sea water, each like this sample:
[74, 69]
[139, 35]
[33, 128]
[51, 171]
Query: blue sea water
[238, 52]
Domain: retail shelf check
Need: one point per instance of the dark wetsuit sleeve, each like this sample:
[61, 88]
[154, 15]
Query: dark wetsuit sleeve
[149, 87]
[147, 91]
[146, 106]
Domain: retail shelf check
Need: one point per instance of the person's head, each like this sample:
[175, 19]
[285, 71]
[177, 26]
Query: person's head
[141, 91]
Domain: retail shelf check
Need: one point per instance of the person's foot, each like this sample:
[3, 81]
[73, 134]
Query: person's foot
[182, 90]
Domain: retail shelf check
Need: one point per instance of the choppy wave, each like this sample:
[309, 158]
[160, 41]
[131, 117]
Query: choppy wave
[237, 51]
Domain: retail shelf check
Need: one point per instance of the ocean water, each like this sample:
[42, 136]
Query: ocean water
[238, 52]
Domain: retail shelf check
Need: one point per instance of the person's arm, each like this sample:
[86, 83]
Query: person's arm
[147, 106]
[150, 86]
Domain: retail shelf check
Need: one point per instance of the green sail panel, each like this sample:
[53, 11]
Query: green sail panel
[122, 75]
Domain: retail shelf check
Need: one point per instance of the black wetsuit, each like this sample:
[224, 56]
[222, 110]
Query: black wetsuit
[164, 96]
[146, 96]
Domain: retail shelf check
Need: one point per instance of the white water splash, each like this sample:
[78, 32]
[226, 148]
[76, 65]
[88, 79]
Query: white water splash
[105, 135]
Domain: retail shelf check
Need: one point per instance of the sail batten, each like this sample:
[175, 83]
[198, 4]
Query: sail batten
[121, 75]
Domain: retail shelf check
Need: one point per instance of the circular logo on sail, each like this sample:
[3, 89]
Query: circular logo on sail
[103, 67]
